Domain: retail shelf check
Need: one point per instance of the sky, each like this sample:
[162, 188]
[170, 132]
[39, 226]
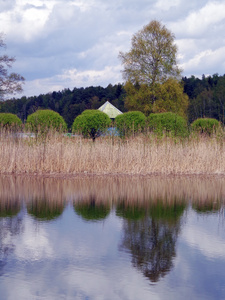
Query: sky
[62, 44]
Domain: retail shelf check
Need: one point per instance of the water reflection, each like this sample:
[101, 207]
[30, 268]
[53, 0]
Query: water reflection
[130, 211]
[9, 228]
[45, 209]
[92, 210]
[9, 208]
[150, 236]
[203, 207]
[118, 191]
[132, 228]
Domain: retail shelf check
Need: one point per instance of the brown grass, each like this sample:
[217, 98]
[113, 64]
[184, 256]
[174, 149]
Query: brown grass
[142, 155]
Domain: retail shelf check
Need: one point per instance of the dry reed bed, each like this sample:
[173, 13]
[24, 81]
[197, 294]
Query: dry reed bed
[141, 155]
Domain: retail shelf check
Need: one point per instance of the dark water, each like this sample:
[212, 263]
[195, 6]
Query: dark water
[112, 238]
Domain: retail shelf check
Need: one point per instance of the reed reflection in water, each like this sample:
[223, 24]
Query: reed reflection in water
[151, 212]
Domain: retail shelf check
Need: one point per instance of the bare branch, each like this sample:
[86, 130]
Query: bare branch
[10, 83]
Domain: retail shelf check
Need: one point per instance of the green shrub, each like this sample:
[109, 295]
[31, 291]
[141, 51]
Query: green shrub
[10, 121]
[91, 123]
[205, 125]
[167, 123]
[130, 123]
[43, 120]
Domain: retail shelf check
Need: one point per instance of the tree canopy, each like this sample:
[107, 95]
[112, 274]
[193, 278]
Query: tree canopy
[151, 72]
[10, 83]
[206, 98]
[68, 103]
[9, 120]
[43, 120]
[91, 123]
[165, 97]
[167, 123]
[130, 123]
[152, 58]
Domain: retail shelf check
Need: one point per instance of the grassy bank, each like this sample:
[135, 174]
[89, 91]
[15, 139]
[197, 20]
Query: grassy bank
[61, 155]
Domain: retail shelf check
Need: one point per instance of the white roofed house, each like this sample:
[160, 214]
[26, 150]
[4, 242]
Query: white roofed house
[110, 110]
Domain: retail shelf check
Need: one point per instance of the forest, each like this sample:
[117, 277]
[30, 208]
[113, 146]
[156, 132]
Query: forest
[206, 99]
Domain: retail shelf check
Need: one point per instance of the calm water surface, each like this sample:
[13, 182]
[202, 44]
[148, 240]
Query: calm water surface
[112, 238]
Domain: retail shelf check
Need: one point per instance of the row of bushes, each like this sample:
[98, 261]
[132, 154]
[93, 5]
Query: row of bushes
[92, 123]
[36, 122]
[163, 123]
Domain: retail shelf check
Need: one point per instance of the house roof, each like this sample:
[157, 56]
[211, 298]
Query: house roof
[110, 110]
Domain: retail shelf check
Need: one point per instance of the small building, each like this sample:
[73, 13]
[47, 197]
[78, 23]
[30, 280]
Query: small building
[110, 110]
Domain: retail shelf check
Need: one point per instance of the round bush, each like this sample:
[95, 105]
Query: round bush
[43, 120]
[10, 121]
[91, 123]
[205, 125]
[167, 123]
[130, 123]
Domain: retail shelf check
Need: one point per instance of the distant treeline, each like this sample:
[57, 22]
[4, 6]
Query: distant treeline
[69, 104]
[206, 97]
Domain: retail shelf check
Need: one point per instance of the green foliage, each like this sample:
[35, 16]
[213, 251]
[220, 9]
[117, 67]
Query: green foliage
[68, 103]
[165, 97]
[130, 123]
[43, 120]
[91, 123]
[151, 72]
[92, 211]
[205, 125]
[139, 97]
[168, 123]
[10, 121]
[170, 97]
[206, 97]
[152, 58]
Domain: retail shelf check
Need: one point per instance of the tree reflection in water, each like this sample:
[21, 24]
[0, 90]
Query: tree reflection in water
[9, 208]
[206, 207]
[151, 239]
[91, 209]
[45, 209]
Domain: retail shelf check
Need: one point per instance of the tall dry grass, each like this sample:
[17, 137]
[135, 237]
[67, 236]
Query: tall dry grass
[55, 154]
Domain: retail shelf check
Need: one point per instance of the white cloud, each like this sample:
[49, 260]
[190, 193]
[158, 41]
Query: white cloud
[167, 4]
[51, 38]
[202, 21]
[7, 5]
[71, 78]
[208, 61]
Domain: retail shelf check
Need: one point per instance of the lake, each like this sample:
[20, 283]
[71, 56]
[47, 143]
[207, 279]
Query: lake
[112, 238]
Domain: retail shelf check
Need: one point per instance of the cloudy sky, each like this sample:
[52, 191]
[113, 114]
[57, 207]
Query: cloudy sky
[75, 43]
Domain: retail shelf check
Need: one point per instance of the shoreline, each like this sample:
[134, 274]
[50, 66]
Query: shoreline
[112, 175]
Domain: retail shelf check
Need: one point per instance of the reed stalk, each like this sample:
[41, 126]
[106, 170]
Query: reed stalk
[55, 154]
